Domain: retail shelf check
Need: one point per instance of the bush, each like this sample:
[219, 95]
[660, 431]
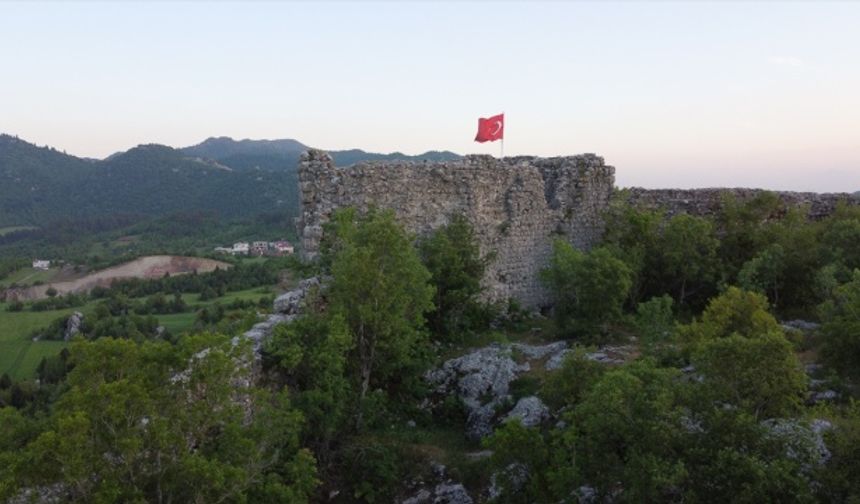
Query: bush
[589, 288]
[655, 322]
[841, 330]
[452, 256]
[375, 470]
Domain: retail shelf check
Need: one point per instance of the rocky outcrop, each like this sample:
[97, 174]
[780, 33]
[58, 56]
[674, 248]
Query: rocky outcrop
[481, 379]
[530, 411]
[443, 493]
[608, 354]
[516, 205]
[820, 387]
[287, 307]
[441, 490]
[290, 302]
[73, 325]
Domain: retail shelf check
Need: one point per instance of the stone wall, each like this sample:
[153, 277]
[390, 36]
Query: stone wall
[706, 202]
[517, 206]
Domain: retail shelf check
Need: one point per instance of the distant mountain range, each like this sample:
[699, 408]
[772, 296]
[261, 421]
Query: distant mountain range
[230, 177]
[278, 154]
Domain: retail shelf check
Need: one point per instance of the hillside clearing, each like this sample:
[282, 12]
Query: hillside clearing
[143, 267]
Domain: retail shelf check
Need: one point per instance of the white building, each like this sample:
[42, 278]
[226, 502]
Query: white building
[41, 265]
[241, 248]
[284, 247]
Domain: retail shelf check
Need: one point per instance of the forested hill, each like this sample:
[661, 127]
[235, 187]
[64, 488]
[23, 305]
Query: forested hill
[231, 178]
[40, 184]
[284, 154]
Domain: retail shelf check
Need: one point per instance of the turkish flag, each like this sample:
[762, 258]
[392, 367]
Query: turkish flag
[491, 129]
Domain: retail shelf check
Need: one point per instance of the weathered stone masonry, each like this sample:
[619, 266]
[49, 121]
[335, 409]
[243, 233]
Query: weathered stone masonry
[517, 206]
[707, 202]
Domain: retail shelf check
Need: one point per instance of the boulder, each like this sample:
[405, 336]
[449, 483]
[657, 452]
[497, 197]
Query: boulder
[531, 412]
[443, 493]
[481, 379]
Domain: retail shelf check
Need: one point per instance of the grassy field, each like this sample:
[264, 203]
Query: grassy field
[12, 229]
[180, 322]
[29, 276]
[19, 355]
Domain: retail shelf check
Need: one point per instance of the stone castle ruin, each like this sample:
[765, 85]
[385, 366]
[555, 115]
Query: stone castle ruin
[518, 205]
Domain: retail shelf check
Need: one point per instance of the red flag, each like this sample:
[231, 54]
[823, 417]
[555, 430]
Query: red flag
[491, 129]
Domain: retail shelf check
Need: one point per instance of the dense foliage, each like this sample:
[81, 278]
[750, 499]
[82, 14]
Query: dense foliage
[714, 401]
[453, 257]
[589, 288]
[160, 423]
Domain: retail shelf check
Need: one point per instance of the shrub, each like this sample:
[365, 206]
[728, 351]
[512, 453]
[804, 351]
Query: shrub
[589, 288]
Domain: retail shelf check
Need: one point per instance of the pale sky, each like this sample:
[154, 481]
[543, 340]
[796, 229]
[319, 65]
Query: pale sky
[672, 94]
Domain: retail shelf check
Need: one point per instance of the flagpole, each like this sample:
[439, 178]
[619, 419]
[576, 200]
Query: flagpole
[503, 140]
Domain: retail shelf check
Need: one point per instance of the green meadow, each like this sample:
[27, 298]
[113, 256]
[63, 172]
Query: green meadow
[19, 355]
[28, 276]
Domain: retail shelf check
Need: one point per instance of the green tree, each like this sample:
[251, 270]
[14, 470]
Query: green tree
[841, 329]
[453, 257]
[743, 226]
[735, 311]
[688, 255]
[157, 423]
[799, 262]
[759, 374]
[839, 481]
[589, 288]
[730, 456]
[634, 236]
[655, 322]
[381, 290]
[570, 383]
[764, 272]
[312, 352]
[521, 462]
[840, 238]
[629, 428]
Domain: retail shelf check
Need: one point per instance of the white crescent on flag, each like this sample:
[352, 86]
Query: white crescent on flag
[498, 128]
